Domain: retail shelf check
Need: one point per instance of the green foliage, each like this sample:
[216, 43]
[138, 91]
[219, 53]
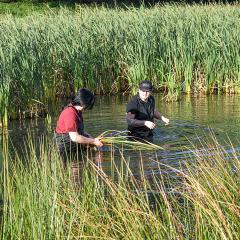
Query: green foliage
[20, 9]
[42, 199]
[187, 49]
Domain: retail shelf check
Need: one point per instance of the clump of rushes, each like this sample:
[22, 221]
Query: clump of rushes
[200, 202]
[40, 199]
[120, 138]
[212, 187]
[181, 49]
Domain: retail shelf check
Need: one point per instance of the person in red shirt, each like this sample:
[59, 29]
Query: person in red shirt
[70, 135]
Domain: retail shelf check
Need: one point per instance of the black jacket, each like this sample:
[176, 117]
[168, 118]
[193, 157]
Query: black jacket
[143, 111]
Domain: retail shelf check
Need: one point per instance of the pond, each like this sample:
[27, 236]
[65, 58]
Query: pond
[192, 120]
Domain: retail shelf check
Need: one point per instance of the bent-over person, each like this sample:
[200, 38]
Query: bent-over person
[70, 136]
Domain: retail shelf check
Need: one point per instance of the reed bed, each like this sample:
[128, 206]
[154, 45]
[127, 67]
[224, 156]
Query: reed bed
[190, 49]
[41, 199]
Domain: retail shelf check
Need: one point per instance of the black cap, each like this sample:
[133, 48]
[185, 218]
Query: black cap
[146, 86]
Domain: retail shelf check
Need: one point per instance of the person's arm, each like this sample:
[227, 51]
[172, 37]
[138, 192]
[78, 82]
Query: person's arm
[131, 121]
[75, 137]
[161, 117]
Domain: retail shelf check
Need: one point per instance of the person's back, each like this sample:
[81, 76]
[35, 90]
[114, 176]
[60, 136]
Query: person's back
[70, 135]
[70, 120]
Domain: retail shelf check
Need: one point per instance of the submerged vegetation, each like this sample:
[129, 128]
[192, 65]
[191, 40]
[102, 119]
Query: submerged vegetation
[45, 56]
[199, 201]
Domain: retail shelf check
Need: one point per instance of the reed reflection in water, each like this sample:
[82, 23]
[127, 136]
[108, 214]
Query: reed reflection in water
[190, 122]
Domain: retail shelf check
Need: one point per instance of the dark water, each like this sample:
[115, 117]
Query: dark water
[192, 120]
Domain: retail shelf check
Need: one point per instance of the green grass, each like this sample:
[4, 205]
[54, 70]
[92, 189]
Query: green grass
[181, 49]
[41, 200]
[21, 9]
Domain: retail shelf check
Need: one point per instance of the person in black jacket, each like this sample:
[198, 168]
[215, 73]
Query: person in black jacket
[140, 113]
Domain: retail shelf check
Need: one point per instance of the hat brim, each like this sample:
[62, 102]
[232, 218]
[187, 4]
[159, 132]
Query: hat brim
[146, 89]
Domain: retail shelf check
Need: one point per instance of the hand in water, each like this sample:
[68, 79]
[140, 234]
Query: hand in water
[165, 120]
[149, 124]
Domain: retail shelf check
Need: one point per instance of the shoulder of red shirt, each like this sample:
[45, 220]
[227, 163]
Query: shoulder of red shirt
[67, 121]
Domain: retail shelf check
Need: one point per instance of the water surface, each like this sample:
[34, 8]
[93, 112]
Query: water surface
[192, 120]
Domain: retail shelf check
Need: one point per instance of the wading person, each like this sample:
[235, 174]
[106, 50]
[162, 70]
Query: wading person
[70, 135]
[140, 113]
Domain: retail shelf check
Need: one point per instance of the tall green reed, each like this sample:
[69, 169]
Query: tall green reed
[42, 200]
[179, 48]
[212, 187]
[4, 95]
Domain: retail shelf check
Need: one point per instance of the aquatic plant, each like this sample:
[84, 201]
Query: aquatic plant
[190, 49]
[42, 199]
[120, 138]
[199, 201]
[4, 94]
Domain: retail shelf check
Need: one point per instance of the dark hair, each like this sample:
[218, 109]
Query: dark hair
[84, 98]
[146, 86]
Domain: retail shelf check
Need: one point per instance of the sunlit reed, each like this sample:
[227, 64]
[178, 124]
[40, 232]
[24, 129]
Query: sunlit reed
[42, 200]
[190, 49]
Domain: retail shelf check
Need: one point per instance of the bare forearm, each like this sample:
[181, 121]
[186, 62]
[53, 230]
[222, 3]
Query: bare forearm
[84, 140]
[158, 115]
[75, 137]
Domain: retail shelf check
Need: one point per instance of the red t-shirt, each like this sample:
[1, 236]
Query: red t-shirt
[68, 120]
